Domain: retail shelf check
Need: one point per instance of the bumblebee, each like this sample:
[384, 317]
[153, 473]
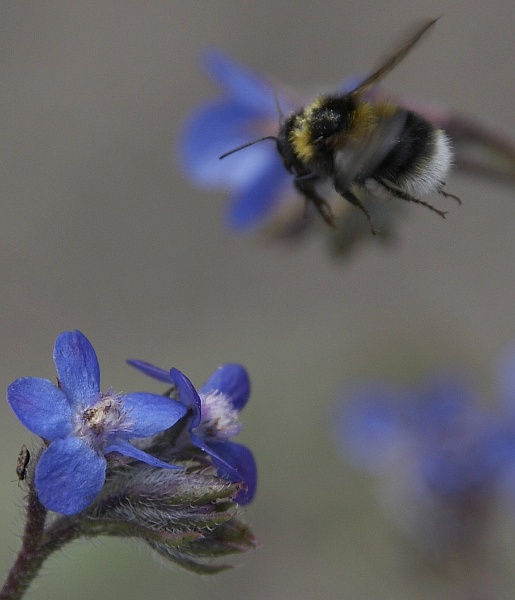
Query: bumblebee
[357, 144]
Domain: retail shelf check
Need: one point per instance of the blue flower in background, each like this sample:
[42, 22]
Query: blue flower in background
[83, 424]
[453, 447]
[255, 177]
[443, 455]
[215, 419]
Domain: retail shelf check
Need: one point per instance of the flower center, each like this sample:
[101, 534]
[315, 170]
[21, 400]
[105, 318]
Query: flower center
[219, 420]
[105, 419]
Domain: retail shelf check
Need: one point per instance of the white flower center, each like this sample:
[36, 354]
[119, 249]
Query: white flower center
[219, 420]
[104, 420]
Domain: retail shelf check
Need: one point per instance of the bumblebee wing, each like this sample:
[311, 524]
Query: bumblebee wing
[358, 158]
[395, 58]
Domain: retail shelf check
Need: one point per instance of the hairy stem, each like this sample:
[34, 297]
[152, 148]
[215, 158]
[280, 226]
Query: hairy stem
[29, 559]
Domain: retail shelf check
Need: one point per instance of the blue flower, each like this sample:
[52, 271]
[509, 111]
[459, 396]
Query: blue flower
[456, 449]
[443, 460]
[214, 419]
[451, 448]
[83, 424]
[255, 177]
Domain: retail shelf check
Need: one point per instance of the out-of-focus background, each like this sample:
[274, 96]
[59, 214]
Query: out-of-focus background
[101, 232]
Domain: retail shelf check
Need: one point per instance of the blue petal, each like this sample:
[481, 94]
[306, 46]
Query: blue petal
[149, 414]
[470, 462]
[41, 406]
[213, 130]
[187, 395]
[260, 195]
[69, 476]
[151, 370]
[127, 449]
[232, 380]
[235, 463]
[242, 83]
[441, 401]
[77, 368]
[369, 423]
[242, 460]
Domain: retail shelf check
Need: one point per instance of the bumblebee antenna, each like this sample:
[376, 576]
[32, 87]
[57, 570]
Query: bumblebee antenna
[267, 137]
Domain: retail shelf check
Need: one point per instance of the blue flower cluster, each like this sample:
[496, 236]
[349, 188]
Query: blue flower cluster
[449, 448]
[82, 426]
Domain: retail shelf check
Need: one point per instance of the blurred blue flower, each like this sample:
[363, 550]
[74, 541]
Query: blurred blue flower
[249, 110]
[442, 459]
[452, 448]
[214, 419]
[83, 424]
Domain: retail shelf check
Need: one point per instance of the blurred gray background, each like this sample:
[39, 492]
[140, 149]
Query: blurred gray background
[101, 232]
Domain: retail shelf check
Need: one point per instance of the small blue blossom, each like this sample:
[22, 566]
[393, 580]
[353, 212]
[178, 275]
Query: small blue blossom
[255, 177]
[214, 419]
[442, 458]
[83, 424]
[452, 447]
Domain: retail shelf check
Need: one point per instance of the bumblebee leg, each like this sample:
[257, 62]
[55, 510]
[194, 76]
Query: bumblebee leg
[403, 196]
[355, 201]
[447, 195]
[305, 184]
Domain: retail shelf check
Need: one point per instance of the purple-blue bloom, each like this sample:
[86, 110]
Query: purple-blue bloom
[442, 459]
[214, 419]
[452, 449]
[83, 424]
[255, 177]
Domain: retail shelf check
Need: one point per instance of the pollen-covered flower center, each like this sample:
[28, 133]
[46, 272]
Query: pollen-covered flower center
[219, 420]
[104, 419]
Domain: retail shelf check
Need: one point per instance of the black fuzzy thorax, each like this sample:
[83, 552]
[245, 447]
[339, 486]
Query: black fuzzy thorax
[326, 118]
[332, 117]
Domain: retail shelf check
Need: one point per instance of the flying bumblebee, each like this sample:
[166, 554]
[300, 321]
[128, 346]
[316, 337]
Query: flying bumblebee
[353, 142]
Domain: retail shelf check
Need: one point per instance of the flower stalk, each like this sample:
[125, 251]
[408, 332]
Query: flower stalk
[30, 557]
